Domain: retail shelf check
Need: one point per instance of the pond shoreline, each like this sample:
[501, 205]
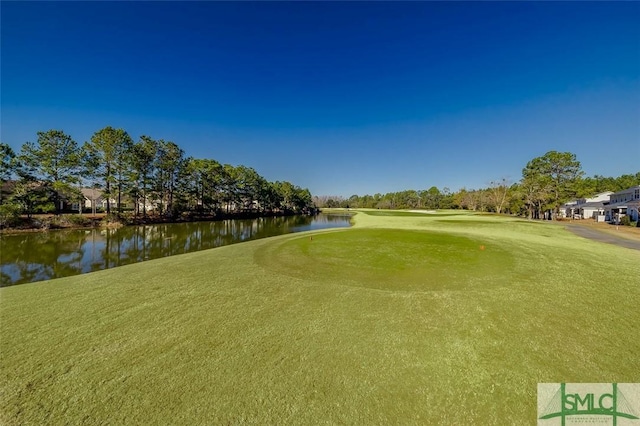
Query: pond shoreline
[48, 222]
[36, 256]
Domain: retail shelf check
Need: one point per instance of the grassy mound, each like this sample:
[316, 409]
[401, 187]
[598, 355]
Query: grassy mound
[400, 320]
[389, 259]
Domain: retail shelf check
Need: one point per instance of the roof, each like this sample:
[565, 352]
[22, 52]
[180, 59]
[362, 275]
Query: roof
[596, 204]
[602, 193]
[599, 197]
[625, 191]
[632, 203]
[8, 186]
[91, 193]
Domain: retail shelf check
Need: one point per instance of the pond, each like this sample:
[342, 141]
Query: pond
[26, 258]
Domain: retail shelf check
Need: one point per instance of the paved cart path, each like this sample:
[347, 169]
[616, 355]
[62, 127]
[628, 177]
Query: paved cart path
[594, 234]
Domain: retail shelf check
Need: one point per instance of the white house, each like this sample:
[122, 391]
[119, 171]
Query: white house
[624, 203]
[587, 208]
[148, 205]
[93, 199]
[567, 208]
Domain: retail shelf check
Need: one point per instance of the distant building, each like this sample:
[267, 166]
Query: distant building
[623, 203]
[93, 199]
[587, 208]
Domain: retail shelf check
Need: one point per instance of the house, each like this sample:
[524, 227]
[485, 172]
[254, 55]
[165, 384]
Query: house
[568, 209]
[93, 199]
[148, 205]
[623, 203]
[587, 208]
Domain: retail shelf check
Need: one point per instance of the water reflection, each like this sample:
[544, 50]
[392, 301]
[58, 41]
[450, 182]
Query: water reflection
[39, 256]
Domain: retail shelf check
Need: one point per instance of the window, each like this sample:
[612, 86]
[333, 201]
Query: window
[637, 194]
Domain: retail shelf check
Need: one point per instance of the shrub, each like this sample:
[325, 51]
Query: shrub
[117, 219]
[625, 220]
[43, 223]
[9, 214]
[78, 220]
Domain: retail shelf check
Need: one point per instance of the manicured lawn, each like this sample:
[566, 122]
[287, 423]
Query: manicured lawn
[404, 319]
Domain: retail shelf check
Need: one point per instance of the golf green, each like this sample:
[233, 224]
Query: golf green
[393, 260]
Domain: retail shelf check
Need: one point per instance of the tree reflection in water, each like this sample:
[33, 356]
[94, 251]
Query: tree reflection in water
[40, 256]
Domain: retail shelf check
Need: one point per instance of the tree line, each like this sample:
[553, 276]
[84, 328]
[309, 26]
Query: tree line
[55, 167]
[147, 172]
[547, 183]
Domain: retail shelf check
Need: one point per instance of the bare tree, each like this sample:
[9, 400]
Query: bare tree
[498, 191]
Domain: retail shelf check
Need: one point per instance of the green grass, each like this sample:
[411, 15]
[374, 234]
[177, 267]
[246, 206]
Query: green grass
[389, 259]
[414, 213]
[403, 319]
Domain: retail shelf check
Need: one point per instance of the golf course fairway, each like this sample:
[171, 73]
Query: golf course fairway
[405, 318]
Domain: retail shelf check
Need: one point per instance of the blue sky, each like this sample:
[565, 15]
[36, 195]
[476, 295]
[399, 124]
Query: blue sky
[339, 97]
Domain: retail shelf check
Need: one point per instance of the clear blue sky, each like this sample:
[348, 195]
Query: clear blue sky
[342, 98]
